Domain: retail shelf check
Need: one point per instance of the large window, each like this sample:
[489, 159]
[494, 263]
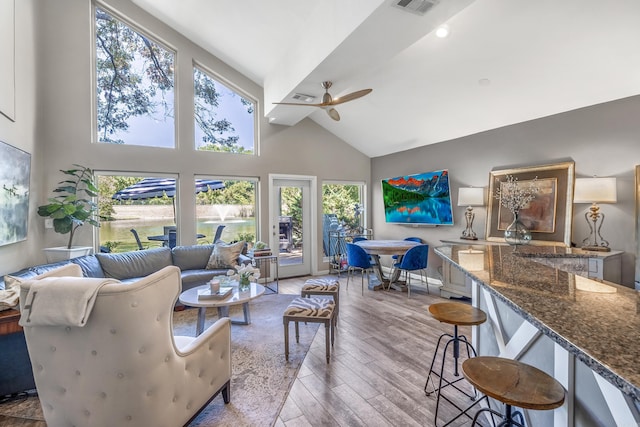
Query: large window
[134, 86]
[224, 120]
[142, 204]
[232, 205]
[343, 211]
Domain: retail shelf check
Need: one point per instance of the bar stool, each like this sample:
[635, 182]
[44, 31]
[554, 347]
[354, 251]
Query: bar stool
[514, 384]
[456, 314]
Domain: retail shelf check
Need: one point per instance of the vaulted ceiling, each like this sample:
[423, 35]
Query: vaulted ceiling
[504, 61]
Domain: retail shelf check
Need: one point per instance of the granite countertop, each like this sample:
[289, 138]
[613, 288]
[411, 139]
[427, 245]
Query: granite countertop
[598, 322]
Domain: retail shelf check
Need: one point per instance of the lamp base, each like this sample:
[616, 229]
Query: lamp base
[469, 237]
[596, 248]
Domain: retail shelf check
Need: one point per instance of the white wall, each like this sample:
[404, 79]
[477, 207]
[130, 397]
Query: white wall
[21, 133]
[603, 140]
[64, 100]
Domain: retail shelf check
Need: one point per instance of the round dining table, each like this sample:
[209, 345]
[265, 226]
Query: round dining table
[375, 248]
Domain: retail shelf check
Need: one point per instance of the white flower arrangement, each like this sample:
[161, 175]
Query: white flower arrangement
[244, 272]
[515, 196]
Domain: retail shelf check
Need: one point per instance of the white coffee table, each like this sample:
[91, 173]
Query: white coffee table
[190, 298]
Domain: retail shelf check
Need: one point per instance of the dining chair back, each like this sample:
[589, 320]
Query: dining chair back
[218, 233]
[358, 259]
[408, 239]
[359, 239]
[415, 259]
[138, 242]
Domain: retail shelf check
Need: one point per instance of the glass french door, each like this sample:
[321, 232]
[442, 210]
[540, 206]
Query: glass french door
[290, 211]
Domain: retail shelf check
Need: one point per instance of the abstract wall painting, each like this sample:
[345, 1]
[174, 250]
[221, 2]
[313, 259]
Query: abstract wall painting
[15, 170]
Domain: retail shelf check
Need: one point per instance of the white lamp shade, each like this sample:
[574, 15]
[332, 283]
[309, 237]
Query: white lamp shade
[471, 196]
[595, 190]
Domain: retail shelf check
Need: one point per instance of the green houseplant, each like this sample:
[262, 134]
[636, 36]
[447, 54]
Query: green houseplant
[73, 206]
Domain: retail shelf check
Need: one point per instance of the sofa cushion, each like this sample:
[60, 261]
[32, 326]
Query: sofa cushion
[225, 255]
[90, 266]
[193, 257]
[193, 278]
[134, 264]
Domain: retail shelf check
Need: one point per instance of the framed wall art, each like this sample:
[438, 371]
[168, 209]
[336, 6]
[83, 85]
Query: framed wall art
[548, 216]
[15, 170]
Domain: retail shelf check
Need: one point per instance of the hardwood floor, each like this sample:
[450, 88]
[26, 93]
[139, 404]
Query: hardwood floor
[383, 349]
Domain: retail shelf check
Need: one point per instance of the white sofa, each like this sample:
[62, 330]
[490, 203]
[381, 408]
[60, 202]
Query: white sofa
[125, 367]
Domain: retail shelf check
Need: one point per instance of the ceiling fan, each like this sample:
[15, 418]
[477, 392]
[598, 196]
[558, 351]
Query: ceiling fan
[328, 101]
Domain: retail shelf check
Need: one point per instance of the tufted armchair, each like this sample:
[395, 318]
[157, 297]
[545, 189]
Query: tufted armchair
[125, 367]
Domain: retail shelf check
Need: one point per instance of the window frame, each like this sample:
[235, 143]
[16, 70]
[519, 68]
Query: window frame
[240, 92]
[152, 36]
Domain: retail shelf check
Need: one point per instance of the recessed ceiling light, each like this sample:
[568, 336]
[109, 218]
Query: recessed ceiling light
[484, 82]
[442, 31]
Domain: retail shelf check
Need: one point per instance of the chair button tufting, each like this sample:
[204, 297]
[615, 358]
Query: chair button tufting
[103, 395]
[128, 417]
[120, 375]
[167, 359]
[113, 331]
[67, 329]
[40, 367]
[175, 399]
[78, 373]
[94, 353]
[87, 413]
[53, 348]
[134, 304]
[141, 350]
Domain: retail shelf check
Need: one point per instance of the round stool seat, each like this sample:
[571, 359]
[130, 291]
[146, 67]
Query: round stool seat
[513, 383]
[457, 313]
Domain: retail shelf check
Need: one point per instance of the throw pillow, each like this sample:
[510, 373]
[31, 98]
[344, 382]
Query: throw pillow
[225, 255]
[9, 297]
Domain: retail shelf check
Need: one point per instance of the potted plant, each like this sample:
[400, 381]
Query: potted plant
[71, 209]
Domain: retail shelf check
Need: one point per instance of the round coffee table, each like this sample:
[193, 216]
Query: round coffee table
[190, 298]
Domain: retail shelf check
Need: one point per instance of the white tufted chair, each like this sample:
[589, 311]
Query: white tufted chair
[125, 367]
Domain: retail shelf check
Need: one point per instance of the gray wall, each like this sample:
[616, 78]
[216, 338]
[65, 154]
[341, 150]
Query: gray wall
[603, 140]
[64, 114]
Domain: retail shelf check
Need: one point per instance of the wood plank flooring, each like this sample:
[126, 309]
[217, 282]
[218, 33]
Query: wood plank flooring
[382, 352]
[383, 347]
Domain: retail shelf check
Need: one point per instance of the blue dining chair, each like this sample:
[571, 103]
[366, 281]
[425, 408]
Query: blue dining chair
[358, 259]
[415, 259]
[408, 239]
[359, 239]
[173, 239]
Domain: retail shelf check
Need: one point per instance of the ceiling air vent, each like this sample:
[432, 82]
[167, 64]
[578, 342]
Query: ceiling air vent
[419, 7]
[304, 98]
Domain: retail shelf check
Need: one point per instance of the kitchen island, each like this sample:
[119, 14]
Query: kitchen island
[584, 332]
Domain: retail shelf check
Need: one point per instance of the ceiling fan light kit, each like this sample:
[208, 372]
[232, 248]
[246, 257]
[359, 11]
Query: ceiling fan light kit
[328, 101]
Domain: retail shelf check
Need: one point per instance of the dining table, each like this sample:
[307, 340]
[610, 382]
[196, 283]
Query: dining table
[375, 248]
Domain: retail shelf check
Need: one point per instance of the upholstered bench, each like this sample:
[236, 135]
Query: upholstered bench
[313, 310]
[323, 288]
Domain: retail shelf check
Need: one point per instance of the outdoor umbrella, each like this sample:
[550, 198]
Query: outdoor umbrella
[150, 188]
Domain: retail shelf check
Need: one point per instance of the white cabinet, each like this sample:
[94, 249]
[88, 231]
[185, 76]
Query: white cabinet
[455, 283]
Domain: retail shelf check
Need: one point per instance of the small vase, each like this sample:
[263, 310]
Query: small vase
[516, 233]
[244, 283]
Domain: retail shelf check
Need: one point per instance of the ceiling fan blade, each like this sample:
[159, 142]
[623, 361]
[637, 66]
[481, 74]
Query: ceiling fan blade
[351, 96]
[333, 113]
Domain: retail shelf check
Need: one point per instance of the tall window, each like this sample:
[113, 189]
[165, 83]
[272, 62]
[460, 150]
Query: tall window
[143, 204]
[230, 203]
[342, 207]
[135, 81]
[224, 120]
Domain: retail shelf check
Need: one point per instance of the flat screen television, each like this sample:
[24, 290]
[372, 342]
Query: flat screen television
[418, 199]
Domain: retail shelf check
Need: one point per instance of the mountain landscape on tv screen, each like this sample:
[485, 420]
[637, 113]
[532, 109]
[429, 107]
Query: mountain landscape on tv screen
[415, 199]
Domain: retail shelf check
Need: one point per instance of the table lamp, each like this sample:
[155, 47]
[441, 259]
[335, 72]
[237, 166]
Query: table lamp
[594, 191]
[469, 197]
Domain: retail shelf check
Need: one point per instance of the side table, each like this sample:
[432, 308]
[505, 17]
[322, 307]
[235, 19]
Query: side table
[264, 263]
